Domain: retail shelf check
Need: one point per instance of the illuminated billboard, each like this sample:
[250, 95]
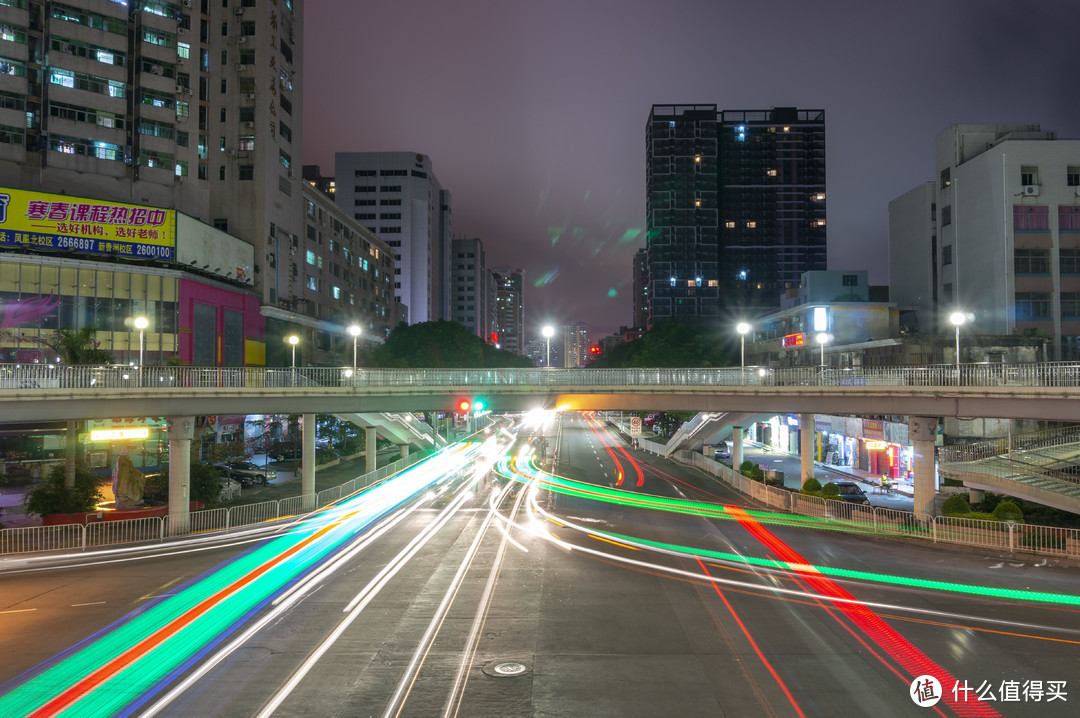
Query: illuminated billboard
[793, 340]
[36, 220]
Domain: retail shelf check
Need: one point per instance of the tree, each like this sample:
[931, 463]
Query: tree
[75, 346]
[53, 496]
[440, 345]
[670, 344]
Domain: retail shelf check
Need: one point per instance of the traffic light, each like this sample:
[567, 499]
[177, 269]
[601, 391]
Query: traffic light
[464, 405]
[467, 404]
[478, 406]
[594, 351]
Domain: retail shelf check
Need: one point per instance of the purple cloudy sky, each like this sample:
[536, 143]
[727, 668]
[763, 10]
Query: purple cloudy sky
[534, 113]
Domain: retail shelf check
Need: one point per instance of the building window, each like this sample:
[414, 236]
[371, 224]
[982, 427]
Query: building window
[247, 143]
[1070, 306]
[390, 188]
[364, 173]
[1029, 175]
[1068, 218]
[751, 224]
[222, 224]
[1031, 261]
[770, 172]
[946, 215]
[850, 280]
[1069, 260]
[729, 225]
[311, 283]
[946, 255]
[221, 172]
[1032, 306]
[1072, 176]
[364, 188]
[946, 177]
[284, 159]
[246, 172]
[1031, 218]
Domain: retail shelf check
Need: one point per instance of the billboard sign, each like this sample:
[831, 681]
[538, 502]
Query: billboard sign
[36, 220]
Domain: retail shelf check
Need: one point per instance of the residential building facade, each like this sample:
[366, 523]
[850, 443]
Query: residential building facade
[510, 308]
[1007, 251]
[470, 286]
[398, 197]
[735, 208]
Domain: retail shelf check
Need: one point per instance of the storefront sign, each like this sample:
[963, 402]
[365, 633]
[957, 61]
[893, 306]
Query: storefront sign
[876, 445]
[51, 221]
[793, 340]
[119, 434]
[873, 429]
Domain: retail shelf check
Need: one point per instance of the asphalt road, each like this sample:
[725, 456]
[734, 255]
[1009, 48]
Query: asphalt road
[576, 610]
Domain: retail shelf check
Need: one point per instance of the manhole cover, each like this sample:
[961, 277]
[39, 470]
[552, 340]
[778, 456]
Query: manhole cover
[506, 668]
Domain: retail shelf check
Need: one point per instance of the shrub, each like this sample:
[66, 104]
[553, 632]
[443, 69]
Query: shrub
[1007, 511]
[811, 484]
[205, 484]
[323, 456]
[53, 497]
[830, 489]
[745, 466]
[955, 505]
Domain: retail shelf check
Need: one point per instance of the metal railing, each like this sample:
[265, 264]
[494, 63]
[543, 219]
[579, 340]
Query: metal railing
[1047, 439]
[53, 376]
[153, 529]
[837, 514]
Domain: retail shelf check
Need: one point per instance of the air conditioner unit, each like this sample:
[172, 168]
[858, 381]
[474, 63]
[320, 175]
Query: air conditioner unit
[238, 11]
[180, 60]
[181, 30]
[1031, 190]
[249, 95]
[179, 89]
[187, 3]
[249, 125]
[239, 67]
[187, 90]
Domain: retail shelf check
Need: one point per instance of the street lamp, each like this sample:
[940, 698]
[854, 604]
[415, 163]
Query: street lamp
[548, 332]
[294, 340]
[141, 323]
[957, 319]
[743, 329]
[355, 331]
[822, 339]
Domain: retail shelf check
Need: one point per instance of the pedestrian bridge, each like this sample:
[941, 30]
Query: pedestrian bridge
[52, 392]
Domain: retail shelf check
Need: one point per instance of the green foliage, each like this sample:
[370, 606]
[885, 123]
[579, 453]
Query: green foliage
[77, 346]
[746, 465]
[205, 484]
[811, 484]
[440, 345]
[1008, 511]
[53, 497]
[830, 489]
[671, 344]
[323, 456]
[955, 505]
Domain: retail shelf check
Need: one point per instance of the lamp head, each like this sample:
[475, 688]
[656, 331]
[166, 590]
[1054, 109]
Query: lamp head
[354, 330]
[743, 328]
[293, 339]
[141, 322]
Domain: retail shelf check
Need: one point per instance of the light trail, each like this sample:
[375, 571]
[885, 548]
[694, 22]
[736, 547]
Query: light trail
[141, 654]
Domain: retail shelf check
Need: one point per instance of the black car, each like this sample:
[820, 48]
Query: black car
[246, 473]
[850, 491]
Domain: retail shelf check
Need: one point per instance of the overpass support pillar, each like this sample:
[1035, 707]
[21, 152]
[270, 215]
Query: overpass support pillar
[736, 447]
[807, 434]
[307, 462]
[922, 431]
[404, 450]
[180, 430]
[369, 451]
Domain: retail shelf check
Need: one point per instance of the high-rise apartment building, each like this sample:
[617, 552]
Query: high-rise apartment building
[735, 208]
[471, 285]
[641, 288]
[397, 196]
[510, 308]
[575, 345]
[999, 231]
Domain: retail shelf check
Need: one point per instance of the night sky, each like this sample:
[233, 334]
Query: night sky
[534, 113]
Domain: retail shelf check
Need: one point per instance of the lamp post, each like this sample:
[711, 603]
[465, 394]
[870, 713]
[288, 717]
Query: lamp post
[957, 319]
[743, 329]
[355, 331]
[294, 340]
[548, 332]
[822, 339]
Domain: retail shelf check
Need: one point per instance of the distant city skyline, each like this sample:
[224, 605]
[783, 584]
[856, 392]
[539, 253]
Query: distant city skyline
[534, 117]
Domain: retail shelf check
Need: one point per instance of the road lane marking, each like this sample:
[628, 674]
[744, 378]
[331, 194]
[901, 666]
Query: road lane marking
[19, 610]
[93, 603]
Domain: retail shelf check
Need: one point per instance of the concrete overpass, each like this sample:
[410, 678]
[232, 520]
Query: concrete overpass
[1046, 391]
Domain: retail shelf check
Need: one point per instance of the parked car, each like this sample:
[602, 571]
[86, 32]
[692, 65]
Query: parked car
[283, 452]
[246, 472]
[722, 453]
[850, 491]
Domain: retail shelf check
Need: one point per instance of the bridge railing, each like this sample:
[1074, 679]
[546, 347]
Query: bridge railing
[54, 376]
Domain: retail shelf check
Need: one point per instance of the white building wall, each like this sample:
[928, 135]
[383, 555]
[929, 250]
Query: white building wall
[912, 232]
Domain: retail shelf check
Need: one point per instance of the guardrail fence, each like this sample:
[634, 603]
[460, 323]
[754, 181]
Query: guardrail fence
[997, 535]
[71, 537]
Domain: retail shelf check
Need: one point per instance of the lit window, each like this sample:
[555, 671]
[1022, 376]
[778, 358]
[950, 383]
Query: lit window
[819, 197]
[673, 281]
[697, 281]
[743, 274]
[787, 129]
[336, 292]
[714, 282]
[690, 283]
[697, 202]
[310, 257]
[751, 224]
[729, 225]
[697, 158]
[771, 173]
[819, 223]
